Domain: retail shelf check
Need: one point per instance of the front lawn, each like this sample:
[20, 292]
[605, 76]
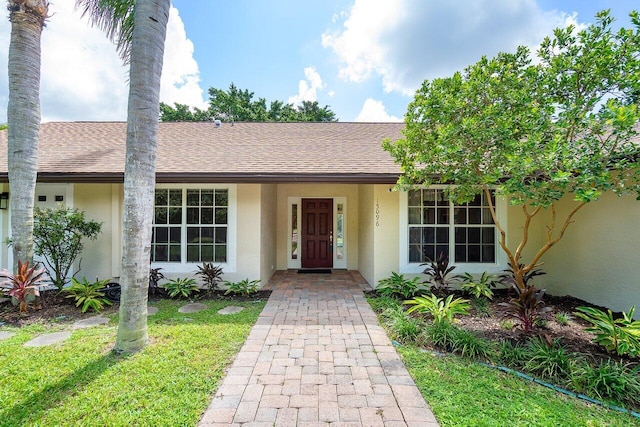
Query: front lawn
[81, 382]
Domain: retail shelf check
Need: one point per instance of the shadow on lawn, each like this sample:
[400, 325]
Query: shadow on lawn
[33, 406]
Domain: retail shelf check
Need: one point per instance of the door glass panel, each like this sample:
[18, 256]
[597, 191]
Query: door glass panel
[340, 232]
[294, 231]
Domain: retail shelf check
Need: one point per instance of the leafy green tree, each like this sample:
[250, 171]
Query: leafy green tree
[534, 132]
[183, 113]
[23, 117]
[237, 105]
[58, 236]
[3, 126]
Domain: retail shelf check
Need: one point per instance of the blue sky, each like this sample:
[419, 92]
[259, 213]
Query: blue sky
[363, 58]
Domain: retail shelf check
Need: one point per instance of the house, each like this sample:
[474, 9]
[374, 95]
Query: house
[261, 197]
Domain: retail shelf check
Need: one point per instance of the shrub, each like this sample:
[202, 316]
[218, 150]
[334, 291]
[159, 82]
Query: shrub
[211, 275]
[398, 285]
[441, 335]
[244, 287]
[154, 277]
[177, 288]
[404, 328]
[58, 235]
[380, 304]
[478, 288]
[527, 307]
[609, 380]
[620, 335]
[467, 344]
[482, 307]
[438, 271]
[548, 359]
[514, 355]
[442, 310]
[23, 286]
[89, 295]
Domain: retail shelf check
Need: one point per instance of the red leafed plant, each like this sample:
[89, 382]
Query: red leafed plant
[23, 286]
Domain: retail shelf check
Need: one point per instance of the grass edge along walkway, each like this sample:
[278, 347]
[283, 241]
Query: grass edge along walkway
[81, 382]
[464, 393]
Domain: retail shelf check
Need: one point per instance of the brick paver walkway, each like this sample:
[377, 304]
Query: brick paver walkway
[317, 357]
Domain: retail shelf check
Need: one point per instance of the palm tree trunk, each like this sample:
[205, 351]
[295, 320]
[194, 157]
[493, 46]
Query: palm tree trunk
[147, 49]
[23, 116]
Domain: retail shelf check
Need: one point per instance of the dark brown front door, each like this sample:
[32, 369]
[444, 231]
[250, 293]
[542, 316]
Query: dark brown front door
[317, 233]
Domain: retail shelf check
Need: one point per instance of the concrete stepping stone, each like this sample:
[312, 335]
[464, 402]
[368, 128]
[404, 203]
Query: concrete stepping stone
[6, 334]
[48, 339]
[231, 309]
[151, 310]
[192, 308]
[90, 322]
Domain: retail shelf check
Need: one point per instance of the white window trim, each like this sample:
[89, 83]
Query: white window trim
[461, 267]
[232, 232]
[294, 263]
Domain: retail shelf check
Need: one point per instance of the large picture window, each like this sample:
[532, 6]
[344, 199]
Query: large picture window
[465, 233]
[190, 225]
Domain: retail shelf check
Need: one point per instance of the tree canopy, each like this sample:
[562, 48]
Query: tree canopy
[238, 105]
[533, 129]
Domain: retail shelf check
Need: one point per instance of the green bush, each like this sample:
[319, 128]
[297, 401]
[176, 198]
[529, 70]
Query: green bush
[609, 380]
[467, 344]
[88, 294]
[620, 335]
[398, 286]
[548, 359]
[441, 335]
[177, 288]
[478, 288]
[513, 355]
[380, 304]
[442, 310]
[402, 327]
[244, 287]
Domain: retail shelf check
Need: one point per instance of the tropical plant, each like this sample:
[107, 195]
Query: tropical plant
[181, 287]
[483, 309]
[609, 380]
[58, 236]
[441, 335]
[527, 307]
[381, 303]
[140, 34]
[438, 271]
[534, 128]
[399, 286]
[562, 318]
[621, 335]
[244, 287]
[442, 310]
[23, 286]
[211, 275]
[478, 288]
[23, 118]
[548, 358]
[154, 278]
[514, 355]
[467, 344]
[88, 295]
[404, 328]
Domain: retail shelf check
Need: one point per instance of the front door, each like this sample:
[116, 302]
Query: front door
[317, 233]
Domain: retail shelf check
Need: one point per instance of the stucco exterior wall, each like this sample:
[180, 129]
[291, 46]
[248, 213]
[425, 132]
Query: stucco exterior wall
[366, 230]
[350, 191]
[249, 232]
[597, 260]
[4, 232]
[96, 259]
[268, 236]
[386, 232]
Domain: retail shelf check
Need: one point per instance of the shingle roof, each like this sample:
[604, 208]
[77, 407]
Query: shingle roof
[202, 152]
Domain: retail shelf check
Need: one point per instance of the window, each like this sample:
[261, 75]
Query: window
[466, 233]
[191, 225]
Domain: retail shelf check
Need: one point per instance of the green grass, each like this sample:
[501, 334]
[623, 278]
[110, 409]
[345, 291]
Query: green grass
[81, 382]
[464, 393]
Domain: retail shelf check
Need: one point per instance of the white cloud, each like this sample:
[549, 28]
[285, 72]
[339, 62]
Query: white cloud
[308, 88]
[375, 111]
[406, 41]
[82, 77]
